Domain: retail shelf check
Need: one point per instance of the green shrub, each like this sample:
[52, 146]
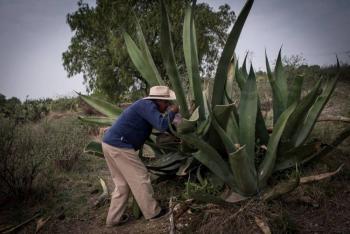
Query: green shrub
[30, 154]
[21, 158]
[65, 141]
[28, 111]
[64, 104]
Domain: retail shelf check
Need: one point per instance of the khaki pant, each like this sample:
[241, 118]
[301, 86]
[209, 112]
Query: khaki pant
[128, 173]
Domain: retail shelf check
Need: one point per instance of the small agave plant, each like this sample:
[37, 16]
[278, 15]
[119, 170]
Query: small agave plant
[231, 141]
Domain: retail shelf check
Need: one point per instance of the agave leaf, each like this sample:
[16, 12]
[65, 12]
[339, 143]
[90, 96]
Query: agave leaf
[261, 130]
[161, 149]
[244, 68]
[184, 167]
[102, 106]
[243, 171]
[227, 53]
[140, 60]
[159, 173]
[191, 60]
[167, 51]
[189, 125]
[281, 78]
[297, 118]
[268, 164]
[204, 127]
[170, 169]
[229, 91]
[229, 144]
[147, 53]
[97, 120]
[247, 115]
[295, 91]
[307, 125]
[166, 160]
[208, 156]
[240, 79]
[224, 115]
[94, 148]
[151, 143]
[296, 155]
[206, 103]
[278, 99]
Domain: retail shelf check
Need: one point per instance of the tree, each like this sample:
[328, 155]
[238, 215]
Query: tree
[97, 48]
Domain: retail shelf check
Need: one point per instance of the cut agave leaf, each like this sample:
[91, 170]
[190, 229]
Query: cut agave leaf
[224, 115]
[229, 145]
[244, 172]
[229, 90]
[102, 106]
[268, 164]
[208, 156]
[94, 148]
[189, 125]
[103, 121]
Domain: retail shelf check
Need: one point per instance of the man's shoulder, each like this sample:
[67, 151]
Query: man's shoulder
[143, 103]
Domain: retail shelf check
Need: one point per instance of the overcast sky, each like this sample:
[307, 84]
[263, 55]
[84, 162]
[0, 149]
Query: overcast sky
[34, 34]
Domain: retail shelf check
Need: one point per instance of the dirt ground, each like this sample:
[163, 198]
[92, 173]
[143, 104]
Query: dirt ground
[319, 207]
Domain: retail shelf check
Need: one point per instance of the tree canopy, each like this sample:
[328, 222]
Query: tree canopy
[97, 48]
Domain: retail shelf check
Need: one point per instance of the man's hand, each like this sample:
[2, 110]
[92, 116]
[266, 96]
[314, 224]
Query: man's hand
[174, 108]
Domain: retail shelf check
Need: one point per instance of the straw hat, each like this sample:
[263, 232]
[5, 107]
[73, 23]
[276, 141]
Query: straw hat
[161, 93]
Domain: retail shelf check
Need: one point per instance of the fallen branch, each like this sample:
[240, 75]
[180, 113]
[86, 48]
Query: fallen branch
[40, 224]
[308, 179]
[263, 226]
[181, 208]
[15, 228]
[280, 189]
[334, 118]
[171, 217]
[103, 197]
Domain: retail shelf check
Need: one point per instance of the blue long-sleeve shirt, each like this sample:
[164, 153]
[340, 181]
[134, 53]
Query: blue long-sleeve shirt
[135, 124]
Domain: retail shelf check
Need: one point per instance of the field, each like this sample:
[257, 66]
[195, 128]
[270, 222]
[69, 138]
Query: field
[65, 185]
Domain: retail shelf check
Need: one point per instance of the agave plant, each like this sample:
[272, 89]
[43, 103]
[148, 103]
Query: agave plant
[231, 141]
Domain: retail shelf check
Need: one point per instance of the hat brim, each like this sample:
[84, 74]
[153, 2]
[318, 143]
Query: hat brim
[171, 97]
